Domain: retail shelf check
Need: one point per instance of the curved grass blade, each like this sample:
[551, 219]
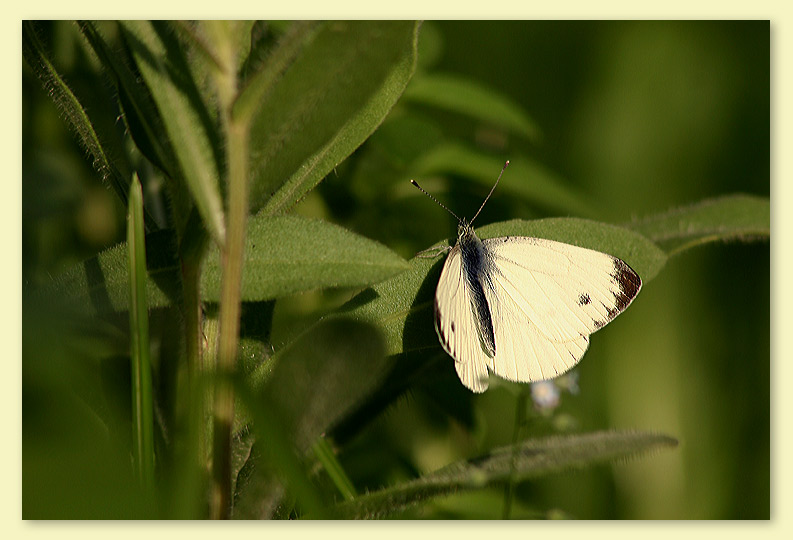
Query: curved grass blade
[729, 218]
[332, 97]
[530, 459]
[466, 97]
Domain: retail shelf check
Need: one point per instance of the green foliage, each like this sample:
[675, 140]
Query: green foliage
[729, 218]
[463, 96]
[522, 461]
[344, 399]
[289, 254]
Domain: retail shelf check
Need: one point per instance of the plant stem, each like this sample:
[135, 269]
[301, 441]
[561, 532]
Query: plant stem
[520, 420]
[229, 319]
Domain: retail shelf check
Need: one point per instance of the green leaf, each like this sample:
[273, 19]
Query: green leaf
[466, 97]
[101, 284]
[530, 459]
[164, 68]
[524, 177]
[731, 217]
[289, 254]
[313, 383]
[402, 305]
[142, 395]
[332, 97]
[283, 255]
[259, 84]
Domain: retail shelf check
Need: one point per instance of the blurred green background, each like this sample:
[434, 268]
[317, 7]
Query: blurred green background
[633, 118]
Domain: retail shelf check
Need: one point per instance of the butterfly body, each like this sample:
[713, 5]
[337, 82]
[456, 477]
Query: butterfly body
[476, 266]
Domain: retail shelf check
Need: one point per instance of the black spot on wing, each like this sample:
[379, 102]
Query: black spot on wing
[584, 299]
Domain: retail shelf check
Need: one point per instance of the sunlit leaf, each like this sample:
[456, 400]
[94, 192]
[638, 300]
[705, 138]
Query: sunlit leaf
[289, 254]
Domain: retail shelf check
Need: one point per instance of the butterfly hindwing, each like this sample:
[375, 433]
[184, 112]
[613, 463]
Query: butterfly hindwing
[456, 325]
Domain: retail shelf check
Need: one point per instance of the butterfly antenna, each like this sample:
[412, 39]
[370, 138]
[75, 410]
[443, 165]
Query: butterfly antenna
[491, 191]
[434, 199]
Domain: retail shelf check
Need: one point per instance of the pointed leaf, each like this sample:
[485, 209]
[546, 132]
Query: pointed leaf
[289, 254]
[529, 459]
[731, 217]
[164, 68]
[467, 97]
[332, 97]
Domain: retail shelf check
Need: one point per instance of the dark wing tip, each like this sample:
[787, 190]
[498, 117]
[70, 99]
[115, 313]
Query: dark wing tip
[629, 282]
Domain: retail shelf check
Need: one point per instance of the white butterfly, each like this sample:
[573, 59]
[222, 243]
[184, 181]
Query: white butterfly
[522, 307]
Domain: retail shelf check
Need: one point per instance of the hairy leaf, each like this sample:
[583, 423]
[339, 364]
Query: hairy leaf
[316, 380]
[529, 459]
[332, 97]
[164, 68]
[731, 217]
[288, 254]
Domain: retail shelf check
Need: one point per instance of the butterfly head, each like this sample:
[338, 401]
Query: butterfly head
[464, 230]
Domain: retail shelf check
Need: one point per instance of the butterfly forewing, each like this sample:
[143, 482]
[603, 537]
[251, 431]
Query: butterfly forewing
[565, 291]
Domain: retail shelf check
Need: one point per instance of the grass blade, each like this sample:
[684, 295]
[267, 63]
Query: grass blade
[142, 396]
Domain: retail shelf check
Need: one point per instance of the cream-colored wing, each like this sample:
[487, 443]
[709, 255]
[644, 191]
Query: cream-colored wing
[456, 325]
[545, 299]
